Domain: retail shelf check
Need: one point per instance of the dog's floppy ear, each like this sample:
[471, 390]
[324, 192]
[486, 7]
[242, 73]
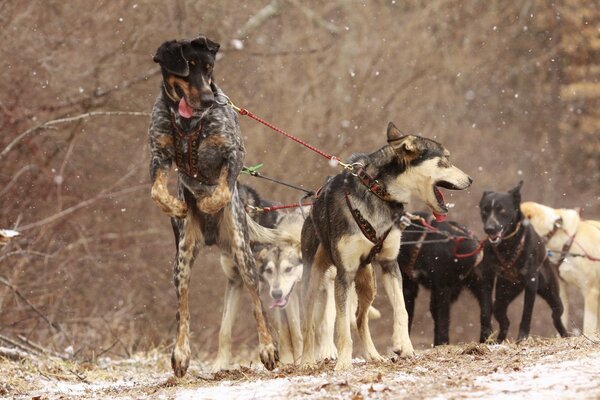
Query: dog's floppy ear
[516, 193]
[170, 57]
[206, 43]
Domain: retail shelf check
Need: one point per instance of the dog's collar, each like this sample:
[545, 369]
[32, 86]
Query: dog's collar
[510, 235]
[372, 184]
[556, 226]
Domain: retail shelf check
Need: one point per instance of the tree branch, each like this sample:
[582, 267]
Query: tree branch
[48, 124]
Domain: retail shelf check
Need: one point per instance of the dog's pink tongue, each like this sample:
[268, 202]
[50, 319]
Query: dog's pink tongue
[439, 217]
[279, 303]
[184, 109]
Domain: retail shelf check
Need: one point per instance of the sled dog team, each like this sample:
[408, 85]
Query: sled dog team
[318, 264]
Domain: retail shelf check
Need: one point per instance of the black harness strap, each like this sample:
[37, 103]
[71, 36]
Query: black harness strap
[368, 231]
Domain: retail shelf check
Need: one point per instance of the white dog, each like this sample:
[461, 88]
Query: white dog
[575, 244]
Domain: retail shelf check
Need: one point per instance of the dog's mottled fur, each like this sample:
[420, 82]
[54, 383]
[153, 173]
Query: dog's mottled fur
[515, 258]
[435, 266]
[207, 209]
[330, 236]
[559, 226]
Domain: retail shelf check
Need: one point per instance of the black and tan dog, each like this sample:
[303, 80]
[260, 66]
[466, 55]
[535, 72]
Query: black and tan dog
[354, 223]
[514, 257]
[191, 127]
[443, 259]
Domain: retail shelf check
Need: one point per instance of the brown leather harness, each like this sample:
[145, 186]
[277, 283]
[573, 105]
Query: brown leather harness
[507, 267]
[379, 190]
[186, 159]
[368, 231]
[566, 247]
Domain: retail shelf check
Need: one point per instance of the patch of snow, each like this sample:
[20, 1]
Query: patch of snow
[552, 379]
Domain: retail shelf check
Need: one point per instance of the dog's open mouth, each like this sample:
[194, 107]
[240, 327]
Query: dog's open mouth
[282, 302]
[185, 110]
[439, 196]
[495, 238]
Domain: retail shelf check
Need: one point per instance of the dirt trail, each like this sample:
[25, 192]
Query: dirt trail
[537, 368]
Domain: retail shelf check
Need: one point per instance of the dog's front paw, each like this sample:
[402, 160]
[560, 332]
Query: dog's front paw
[215, 202]
[269, 356]
[220, 365]
[405, 351]
[178, 209]
[343, 363]
[180, 360]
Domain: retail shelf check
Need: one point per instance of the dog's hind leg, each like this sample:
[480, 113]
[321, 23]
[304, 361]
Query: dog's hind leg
[233, 291]
[365, 291]
[187, 241]
[392, 283]
[315, 278]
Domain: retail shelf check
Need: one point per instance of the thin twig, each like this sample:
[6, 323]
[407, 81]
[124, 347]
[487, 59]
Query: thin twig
[16, 176]
[17, 345]
[48, 124]
[33, 307]
[82, 204]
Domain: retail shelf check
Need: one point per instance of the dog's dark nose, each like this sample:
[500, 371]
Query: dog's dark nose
[207, 100]
[490, 229]
[276, 294]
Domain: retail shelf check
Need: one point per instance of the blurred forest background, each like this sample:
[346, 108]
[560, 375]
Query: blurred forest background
[510, 88]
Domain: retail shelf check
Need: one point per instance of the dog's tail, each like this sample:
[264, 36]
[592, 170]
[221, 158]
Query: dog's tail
[260, 234]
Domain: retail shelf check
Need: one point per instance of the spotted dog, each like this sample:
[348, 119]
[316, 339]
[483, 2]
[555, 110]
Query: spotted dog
[355, 223]
[191, 127]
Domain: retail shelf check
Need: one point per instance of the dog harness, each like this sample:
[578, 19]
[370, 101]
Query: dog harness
[186, 157]
[368, 231]
[409, 269]
[566, 247]
[507, 266]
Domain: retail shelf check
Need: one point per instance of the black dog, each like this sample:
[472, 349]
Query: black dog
[515, 254]
[192, 126]
[444, 259]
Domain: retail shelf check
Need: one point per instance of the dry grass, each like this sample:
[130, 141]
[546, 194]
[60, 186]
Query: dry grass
[450, 370]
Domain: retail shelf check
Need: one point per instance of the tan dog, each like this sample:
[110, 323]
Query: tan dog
[576, 242]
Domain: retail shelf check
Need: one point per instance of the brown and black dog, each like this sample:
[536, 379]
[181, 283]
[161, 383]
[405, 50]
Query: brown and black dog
[193, 126]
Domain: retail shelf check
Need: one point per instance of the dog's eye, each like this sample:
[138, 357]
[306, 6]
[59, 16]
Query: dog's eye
[288, 270]
[269, 271]
[192, 62]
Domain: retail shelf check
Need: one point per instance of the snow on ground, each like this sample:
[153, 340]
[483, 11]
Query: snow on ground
[536, 369]
[550, 379]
